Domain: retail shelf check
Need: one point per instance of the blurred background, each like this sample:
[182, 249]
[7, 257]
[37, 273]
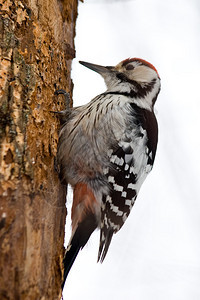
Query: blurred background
[156, 254]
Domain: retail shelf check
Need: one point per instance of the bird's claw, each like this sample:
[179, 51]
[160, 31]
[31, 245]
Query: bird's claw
[66, 96]
[64, 114]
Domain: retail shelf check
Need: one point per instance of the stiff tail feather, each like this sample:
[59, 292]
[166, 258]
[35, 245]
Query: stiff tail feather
[78, 241]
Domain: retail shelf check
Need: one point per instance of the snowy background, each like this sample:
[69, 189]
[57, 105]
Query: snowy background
[156, 254]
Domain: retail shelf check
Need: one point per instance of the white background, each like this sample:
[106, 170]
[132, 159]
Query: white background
[156, 254]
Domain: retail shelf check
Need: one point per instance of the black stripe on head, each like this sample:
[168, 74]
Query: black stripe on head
[139, 90]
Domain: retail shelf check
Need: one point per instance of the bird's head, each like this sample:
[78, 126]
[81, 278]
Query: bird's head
[131, 69]
[133, 75]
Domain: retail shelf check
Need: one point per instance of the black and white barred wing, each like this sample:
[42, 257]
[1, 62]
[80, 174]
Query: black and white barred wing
[130, 163]
[117, 205]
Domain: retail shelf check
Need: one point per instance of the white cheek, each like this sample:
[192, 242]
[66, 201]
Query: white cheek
[143, 74]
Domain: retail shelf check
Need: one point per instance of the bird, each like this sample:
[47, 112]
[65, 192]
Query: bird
[106, 149]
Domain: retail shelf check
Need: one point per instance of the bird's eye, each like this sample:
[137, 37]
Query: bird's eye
[129, 67]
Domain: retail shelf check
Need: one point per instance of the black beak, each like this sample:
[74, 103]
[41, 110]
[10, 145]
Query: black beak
[97, 68]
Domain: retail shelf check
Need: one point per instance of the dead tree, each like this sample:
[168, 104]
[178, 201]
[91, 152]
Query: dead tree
[37, 48]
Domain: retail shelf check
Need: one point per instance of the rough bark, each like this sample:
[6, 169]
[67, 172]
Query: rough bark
[36, 51]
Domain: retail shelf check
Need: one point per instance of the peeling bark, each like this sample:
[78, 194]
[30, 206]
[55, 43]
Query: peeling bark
[36, 50]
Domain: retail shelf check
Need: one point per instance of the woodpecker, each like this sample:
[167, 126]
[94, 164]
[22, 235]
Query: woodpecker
[106, 149]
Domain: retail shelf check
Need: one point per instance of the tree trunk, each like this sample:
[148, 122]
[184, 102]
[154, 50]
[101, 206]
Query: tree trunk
[36, 52]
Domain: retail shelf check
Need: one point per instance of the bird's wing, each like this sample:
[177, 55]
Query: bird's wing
[129, 165]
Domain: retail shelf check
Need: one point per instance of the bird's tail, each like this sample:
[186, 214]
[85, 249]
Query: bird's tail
[78, 241]
[84, 222]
